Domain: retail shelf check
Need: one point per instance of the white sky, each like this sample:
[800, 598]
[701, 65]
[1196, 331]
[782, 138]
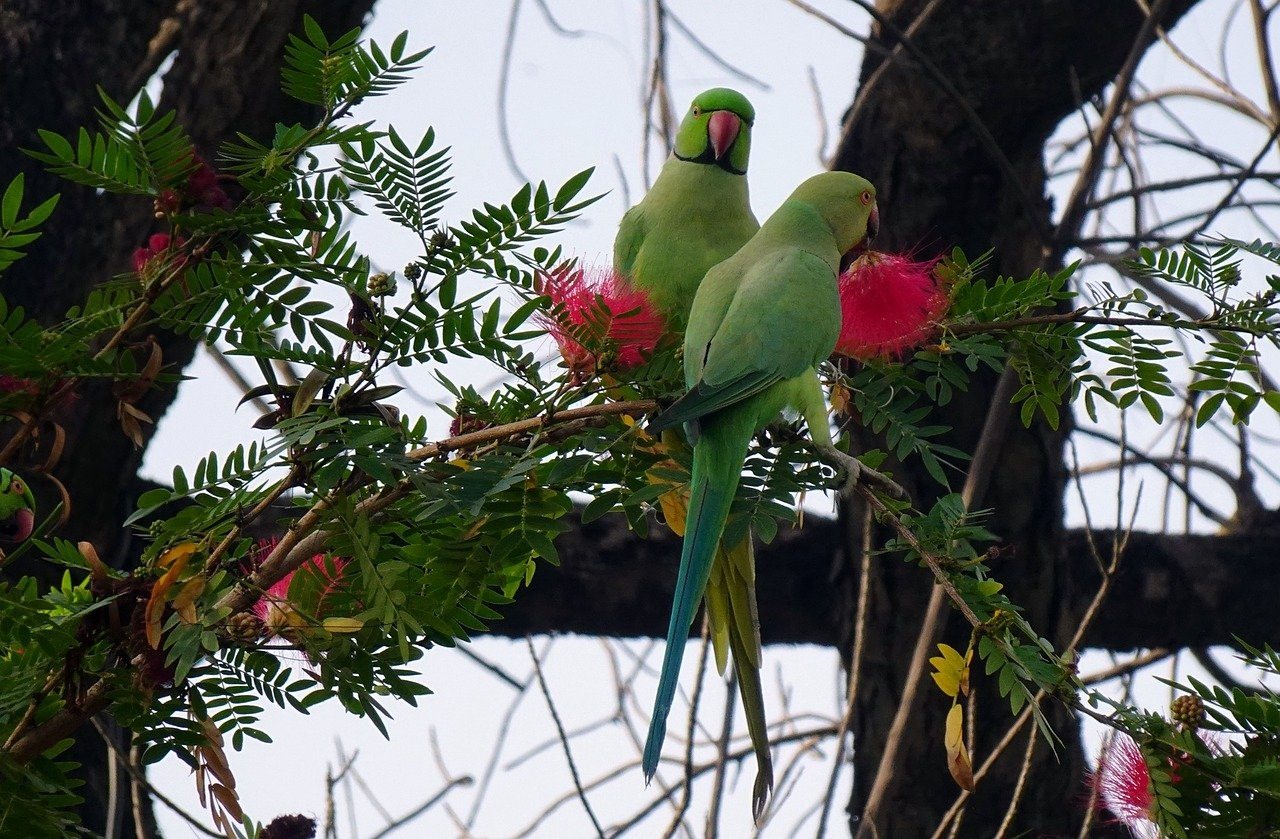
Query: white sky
[575, 103]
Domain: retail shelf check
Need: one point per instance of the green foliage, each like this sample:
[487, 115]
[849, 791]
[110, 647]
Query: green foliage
[403, 538]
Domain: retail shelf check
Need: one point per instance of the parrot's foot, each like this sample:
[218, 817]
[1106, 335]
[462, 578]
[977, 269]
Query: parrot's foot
[850, 470]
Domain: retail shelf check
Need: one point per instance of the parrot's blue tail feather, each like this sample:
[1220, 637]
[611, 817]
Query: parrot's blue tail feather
[717, 467]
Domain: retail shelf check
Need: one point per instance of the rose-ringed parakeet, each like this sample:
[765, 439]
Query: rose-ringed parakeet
[696, 215]
[760, 324]
[697, 212]
[17, 508]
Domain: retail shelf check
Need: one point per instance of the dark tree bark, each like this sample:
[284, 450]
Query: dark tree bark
[53, 54]
[1171, 590]
[956, 150]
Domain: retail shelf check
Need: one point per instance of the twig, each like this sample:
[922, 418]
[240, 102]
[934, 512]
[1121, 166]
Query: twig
[1073, 213]
[1125, 668]
[464, 781]
[855, 668]
[237, 378]
[715, 57]
[687, 796]
[504, 79]
[141, 780]
[467, 652]
[980, 469]
[721, 761]
[1018, 788]
[564, 741]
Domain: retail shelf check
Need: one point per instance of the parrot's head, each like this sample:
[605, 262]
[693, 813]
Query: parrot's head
[17, 508]
[847, 203]
[717, 130]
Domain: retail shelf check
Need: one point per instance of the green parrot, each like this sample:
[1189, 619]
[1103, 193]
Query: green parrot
[17, 508]
[760, 324]
[697, 212]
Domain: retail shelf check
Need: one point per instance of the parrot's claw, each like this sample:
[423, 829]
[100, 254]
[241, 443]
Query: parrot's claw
[850, 471]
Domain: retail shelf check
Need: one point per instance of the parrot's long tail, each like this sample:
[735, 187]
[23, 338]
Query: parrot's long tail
[717, 467]
[743, 627]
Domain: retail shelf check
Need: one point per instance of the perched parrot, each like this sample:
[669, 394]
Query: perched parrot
[17, 508]
[696, 215]
[760, 324]
[697, 212]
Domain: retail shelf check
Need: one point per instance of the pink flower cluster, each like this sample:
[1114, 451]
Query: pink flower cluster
[1123, 784]
[201, 191]
[600, 302]
[158, 245]
[274, 608]
[888, 304]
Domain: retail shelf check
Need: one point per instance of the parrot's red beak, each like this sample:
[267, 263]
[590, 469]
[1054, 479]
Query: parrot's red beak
[722, 130]
[18, 527]
[873, 225]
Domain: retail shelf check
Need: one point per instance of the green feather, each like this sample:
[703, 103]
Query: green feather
[696, 214]
[760, 324]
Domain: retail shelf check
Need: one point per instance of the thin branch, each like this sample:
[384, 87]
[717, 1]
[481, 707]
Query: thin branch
[715, 57]
[1074, 212]
[564, 741]
[464, 781]
[1007, 823]
[504, 81]
[722, 758]
[687, 796]
[980, 470]
[855, 667]
[140, 779]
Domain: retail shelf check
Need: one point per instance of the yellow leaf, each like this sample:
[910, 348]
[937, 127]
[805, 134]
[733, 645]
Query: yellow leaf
[176, 559]
[461, 463]
[675, 506]
[177, 552]
[184, 603]
[952, 671]
[343, 625]
[957, 755]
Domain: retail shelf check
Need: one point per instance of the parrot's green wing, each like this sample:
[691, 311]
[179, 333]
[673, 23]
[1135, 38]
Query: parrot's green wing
[626, 245]
[782, 319]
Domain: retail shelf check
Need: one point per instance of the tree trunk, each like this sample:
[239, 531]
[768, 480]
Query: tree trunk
[956, 151]
[226, 56]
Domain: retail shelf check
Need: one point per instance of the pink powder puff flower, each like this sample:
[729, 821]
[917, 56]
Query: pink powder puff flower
[1123, 784]
[888, 304]
[203, 188]
[157, 245]
[276, 611]
[597, 302]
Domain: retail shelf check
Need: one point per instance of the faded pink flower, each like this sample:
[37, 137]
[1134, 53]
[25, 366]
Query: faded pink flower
[888, 304]
[276, 611]
[1123, 784]
[158, 244]
[598, 301]
[203, 189]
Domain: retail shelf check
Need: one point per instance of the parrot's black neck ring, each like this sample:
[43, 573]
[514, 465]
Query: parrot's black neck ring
[708, 157]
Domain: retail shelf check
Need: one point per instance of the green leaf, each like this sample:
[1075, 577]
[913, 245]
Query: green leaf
[11, 203]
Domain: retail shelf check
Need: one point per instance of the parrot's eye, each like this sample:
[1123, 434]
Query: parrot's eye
[16, 487]
[697, 111]
[867, 197]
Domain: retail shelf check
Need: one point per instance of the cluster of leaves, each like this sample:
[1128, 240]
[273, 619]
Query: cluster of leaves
[1220, 775]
